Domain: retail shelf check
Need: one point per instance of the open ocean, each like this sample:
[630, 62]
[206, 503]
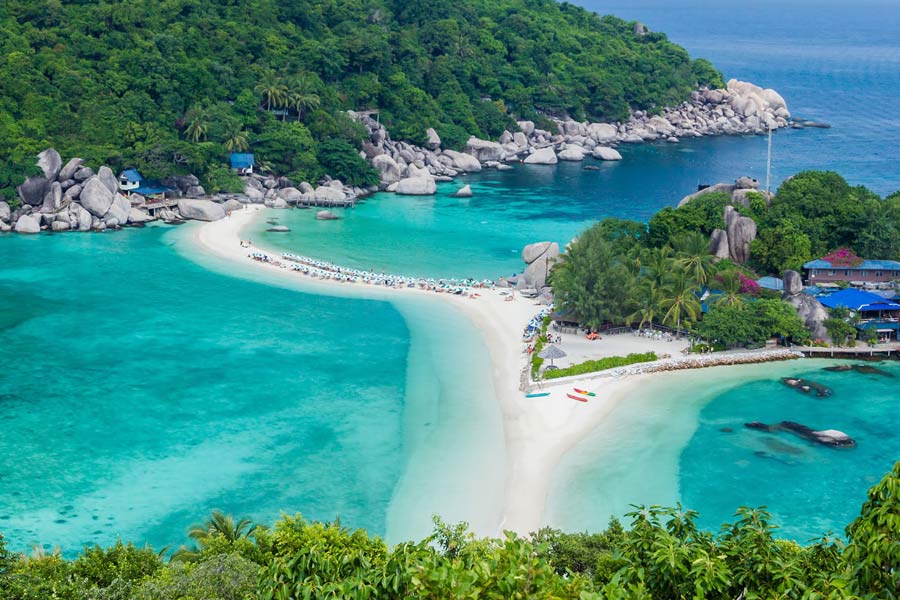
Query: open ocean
[142, 389]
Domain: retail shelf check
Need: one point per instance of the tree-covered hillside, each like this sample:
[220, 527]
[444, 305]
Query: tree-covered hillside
[174, 84]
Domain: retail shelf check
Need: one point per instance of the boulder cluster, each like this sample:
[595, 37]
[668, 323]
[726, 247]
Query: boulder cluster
[740, 108]
[281, 192]
[69, 196]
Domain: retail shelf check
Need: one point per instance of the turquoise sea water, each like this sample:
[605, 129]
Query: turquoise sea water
[682, 438]
[141, 390]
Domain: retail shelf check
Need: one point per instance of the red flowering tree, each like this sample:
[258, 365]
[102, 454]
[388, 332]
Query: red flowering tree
[843, 257]
[748, 286]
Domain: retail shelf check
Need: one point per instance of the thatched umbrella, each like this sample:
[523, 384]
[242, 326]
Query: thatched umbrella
[550, 352]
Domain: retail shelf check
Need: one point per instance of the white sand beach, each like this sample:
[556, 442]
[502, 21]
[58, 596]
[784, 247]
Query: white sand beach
[538, 431]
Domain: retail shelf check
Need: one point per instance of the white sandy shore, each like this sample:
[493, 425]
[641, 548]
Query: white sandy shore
[539, 431]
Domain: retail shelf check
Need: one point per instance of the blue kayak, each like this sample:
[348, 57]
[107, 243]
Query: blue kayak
[538, 395]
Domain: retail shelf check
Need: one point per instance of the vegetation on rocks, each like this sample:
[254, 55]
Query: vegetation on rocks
[663, 554]
[173, 86]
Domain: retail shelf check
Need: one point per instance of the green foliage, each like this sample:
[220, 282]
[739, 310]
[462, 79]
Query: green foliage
[223, 577]
[873, 555]
[662, 554]
[840, 326]
[124, 83]
[609, 362]
[752, 323]
[781, 246]
[594, 280]
[220, 178]
[341, 161]
[702, 214]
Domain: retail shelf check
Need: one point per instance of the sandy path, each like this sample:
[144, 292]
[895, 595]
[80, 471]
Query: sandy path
[538, 430]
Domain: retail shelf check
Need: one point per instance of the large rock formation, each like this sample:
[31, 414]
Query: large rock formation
[741, 231]
[464, 192]
[96, 197]
[5, 212]
[50, 162]
[28, 224]
[68, 171]
[108, 179]
[718, 244]
[572, 153]
[604, 153]
[539, 258]
[811, 311]
[33, 190]
[462, 161]
[416, 186]
[433, 139]
[484, 150]
[387, 166]
[200, 210]
[542, 156]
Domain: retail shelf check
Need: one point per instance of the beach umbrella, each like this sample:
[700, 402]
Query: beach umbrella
[550, 352]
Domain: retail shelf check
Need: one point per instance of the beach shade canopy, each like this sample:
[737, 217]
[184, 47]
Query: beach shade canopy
[552, 351]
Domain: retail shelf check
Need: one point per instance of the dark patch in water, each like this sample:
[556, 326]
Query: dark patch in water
[95, 518]
[726, 430]
[60, 521]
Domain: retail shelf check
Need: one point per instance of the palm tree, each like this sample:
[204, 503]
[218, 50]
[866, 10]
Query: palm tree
[693, 252]
[273, 91]
[196, 124]
[301, 95]
[729, 282]
[221, 524]
[658, 262]
[236, 139]
[649, 305]
[217, 525]
[680, 299]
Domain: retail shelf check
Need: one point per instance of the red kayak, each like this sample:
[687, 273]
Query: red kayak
[579, 398]
[584, 392]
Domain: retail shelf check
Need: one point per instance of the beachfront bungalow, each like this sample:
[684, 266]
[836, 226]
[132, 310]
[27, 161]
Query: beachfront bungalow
[875, 312]
[868, 271]
[242, 163]
[129, 180]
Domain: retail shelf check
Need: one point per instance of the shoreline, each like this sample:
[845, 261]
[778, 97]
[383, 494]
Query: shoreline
[538, 431]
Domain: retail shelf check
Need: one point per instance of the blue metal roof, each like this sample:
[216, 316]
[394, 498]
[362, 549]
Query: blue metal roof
[241, 160]
[858, 300]
[770, 283]
[866, 265]
[150, 190]
[131, 175]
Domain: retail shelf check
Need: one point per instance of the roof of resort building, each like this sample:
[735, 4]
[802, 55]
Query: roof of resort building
[151, 190]
[866, 265]
[131, 175]
[770, 283]
[241, 160]
[858, 300]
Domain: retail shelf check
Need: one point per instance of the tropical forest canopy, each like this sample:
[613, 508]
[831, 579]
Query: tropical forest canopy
[663, 555]
[173, 85]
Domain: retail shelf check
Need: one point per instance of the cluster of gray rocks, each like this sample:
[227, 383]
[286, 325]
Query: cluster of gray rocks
[740, 108]
[69, 196]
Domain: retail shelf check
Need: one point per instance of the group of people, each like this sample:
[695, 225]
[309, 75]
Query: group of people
[654, 334]
[328, 271]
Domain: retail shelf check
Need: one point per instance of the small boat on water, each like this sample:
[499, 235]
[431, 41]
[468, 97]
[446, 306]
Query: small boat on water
[537, 395]
[576, 397]
[584, 392]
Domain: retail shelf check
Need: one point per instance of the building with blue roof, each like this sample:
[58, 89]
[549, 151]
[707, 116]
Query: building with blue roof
[129, 180]
[875, 312]
[868, 271]
[242, 163]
